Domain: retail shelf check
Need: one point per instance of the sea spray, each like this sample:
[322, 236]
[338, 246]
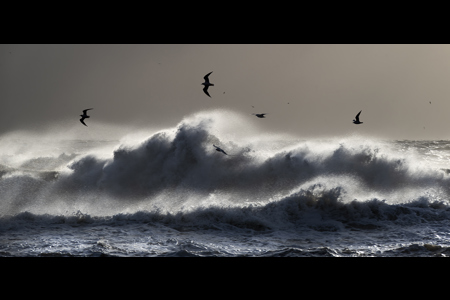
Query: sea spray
[177, 168]
[167, 192]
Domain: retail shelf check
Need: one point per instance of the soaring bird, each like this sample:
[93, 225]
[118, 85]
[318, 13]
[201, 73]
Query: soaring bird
[84, 116]
[207, 84]
[220, 150]
[260, 115]
[356, 121]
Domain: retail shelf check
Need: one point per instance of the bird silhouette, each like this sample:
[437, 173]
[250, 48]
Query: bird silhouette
[220, 150]
[207, 84]
[260, 115]
[356, 121]
[84, 116]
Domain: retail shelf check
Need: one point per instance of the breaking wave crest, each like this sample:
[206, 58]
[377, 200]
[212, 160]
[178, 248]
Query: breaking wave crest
[267, 181]
[316, 209]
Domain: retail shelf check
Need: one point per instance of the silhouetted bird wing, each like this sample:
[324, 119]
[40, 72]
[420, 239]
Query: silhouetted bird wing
[357, 116]
[206, 77]
[205, 89]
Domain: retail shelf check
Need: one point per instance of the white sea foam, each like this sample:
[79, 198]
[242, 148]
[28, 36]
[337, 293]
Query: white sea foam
[177, 170]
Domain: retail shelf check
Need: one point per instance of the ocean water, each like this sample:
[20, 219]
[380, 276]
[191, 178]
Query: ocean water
[168, 193]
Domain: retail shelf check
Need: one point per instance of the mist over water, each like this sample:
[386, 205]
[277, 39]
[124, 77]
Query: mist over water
[268, 181]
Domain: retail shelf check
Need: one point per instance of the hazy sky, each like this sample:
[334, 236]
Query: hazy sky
[308, 90]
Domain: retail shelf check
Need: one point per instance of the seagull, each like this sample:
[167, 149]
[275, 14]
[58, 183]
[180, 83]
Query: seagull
[207, 84]
[356, 121]
[260, 115]
[220, 150]
[84, 116]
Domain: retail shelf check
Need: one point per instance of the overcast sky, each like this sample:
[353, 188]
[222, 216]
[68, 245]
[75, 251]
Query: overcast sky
[307, 90]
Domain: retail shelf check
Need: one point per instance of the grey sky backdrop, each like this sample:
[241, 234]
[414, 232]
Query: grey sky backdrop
[307, 90]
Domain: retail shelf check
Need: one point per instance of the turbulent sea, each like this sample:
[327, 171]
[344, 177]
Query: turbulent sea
[169, 193]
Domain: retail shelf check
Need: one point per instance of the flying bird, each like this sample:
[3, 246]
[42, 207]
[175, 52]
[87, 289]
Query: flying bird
[260, 115]
[207, 84]
[356, 121]
[84, 116]
[220, 150]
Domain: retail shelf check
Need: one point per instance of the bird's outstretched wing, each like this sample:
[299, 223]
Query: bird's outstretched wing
[357, 116]
[82, 121]
[205, 89]
[84, 111]
[206, 77]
